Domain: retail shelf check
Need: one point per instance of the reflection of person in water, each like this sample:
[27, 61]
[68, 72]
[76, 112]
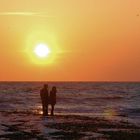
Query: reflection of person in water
[52, 99]
[44, 99]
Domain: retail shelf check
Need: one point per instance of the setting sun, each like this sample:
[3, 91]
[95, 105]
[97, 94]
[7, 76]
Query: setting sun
[42, 50]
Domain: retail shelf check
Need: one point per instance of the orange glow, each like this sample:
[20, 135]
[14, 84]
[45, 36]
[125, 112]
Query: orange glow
[94, 40]
[110, 114]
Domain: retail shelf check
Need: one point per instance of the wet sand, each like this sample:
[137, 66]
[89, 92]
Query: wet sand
[27, 126]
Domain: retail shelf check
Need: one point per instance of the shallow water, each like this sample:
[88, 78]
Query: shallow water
[115, 101]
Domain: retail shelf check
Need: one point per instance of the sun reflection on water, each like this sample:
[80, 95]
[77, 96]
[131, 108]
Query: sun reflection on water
[110, 113]
[38, 110]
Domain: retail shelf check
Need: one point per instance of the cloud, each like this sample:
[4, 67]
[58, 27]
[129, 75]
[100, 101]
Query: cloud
[24, 14]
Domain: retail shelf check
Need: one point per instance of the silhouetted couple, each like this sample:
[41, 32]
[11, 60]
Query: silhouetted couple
[48, 98]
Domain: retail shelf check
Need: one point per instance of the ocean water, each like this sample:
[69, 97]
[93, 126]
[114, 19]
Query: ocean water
[111, 100]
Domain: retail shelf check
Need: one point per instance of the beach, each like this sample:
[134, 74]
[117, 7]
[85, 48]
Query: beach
[32, 126]
[70, 70]
[84, 110]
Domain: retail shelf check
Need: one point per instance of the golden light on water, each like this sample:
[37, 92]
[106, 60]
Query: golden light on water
[40, 112]
[110, 113]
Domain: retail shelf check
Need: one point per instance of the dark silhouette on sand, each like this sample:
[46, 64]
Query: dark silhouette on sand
[48, 99]
[52, 99]
[45, 99]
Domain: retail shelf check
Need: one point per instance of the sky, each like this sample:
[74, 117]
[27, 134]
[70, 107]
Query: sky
[90, 40]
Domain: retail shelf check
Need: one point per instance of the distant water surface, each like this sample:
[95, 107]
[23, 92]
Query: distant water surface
[112, 100]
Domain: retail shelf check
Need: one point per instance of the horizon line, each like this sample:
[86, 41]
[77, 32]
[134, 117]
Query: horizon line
[68, 81]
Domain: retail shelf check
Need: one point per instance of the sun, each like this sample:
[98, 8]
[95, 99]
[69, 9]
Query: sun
[42, 50]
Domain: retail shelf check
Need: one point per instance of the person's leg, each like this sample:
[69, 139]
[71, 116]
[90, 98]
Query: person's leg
[43, 109]
[46, 110]
[52, 110]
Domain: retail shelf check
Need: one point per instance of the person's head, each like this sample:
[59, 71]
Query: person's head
[45, 86]
[54, 88]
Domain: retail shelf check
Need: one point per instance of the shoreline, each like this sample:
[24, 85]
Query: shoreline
[29, 126]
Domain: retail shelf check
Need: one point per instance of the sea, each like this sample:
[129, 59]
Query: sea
[118, 101]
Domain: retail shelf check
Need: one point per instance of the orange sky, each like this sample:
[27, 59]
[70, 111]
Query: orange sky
[91, 40]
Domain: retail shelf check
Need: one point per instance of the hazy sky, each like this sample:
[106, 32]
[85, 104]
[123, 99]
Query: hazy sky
[96, 40]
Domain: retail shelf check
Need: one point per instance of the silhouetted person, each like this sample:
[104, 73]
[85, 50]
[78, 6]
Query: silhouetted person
[53, 99]
[44, 99]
